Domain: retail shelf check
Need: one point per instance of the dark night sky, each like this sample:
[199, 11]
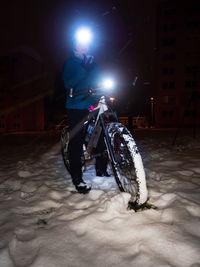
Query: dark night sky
[124, 30]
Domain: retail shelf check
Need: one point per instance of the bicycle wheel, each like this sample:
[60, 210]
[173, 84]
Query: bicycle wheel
[127, 163]
[65, 152]
[64, 147]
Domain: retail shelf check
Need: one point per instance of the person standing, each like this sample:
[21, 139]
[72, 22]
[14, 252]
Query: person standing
[80, 73]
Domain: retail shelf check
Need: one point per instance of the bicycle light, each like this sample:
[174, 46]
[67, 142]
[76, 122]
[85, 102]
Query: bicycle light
[108, 84]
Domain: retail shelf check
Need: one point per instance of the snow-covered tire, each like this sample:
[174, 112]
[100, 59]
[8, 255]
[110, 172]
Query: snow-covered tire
[128, 167]
[64, 147]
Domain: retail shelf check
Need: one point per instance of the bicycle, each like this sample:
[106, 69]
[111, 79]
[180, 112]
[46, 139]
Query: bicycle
[125, 159]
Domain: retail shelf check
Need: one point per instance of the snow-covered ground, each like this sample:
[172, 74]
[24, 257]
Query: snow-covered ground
[43, 223]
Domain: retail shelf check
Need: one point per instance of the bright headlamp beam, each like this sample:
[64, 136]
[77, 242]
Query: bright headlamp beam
[83, 36]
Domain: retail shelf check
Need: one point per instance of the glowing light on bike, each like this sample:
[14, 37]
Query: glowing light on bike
[83, 36]
[108, 84]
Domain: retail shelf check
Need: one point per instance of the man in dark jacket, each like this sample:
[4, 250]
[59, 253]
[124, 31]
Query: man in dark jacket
[79, 74]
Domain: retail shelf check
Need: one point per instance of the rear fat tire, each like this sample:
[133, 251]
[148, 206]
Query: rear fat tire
[127, 166]
[64, 147]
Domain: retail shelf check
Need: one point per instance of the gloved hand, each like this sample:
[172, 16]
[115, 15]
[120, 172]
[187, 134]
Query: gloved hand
[88, 59]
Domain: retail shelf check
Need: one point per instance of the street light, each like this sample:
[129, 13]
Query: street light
[152, 111]
[112, 99]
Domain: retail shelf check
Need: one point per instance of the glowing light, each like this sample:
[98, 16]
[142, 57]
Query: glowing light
[83, 36]
[108, 84]
[112, 99]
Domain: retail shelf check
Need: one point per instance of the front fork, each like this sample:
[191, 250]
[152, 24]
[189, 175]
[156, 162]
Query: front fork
[110, 152]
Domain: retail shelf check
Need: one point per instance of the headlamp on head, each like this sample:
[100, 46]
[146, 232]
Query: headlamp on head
[83, 36]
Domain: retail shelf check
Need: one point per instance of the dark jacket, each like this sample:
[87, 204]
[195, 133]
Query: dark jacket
[80, 75]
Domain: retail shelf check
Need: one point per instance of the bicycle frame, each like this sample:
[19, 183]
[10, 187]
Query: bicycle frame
[99, 124]
[98, 127]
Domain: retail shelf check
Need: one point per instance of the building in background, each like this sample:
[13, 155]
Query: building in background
[177, 97]
[23, 91]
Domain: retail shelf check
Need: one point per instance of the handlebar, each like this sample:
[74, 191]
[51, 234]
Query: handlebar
[98, 91]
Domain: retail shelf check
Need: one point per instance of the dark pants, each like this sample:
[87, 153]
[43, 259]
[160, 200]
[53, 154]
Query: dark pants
[76, 119]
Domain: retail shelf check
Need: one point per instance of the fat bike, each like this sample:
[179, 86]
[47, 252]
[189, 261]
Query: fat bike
[124, 156]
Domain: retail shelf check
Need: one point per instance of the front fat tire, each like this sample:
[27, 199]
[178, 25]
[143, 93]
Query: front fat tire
[127, 166]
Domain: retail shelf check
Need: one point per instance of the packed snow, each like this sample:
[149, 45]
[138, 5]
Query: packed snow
[45, 223]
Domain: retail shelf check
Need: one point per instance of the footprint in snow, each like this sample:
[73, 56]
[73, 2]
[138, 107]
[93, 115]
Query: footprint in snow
[23, 253]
